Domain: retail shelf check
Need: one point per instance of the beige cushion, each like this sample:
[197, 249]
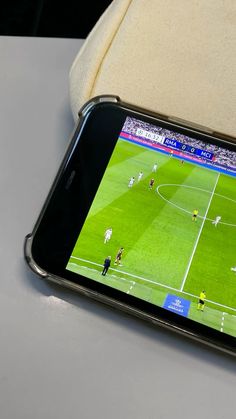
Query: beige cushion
[176, 57]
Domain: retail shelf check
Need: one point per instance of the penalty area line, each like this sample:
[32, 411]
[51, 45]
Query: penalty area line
[153, 282]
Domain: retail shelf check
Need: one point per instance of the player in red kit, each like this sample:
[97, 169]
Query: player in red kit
[119, 256]
[151, 183]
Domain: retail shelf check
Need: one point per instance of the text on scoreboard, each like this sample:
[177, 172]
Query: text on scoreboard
[171, 142]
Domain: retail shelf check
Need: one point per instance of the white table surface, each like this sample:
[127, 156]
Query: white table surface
[62, 355]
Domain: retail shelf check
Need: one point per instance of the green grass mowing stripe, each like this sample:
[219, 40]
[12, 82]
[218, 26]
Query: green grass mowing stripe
[122, 284]
[211, 266]
[129, 215]
[164, 248]
[122, 166]
[211, 317]
[226, 187]
[152, 282]
[199, 234]
[187, 211]
[91, 249]
[215, 254]
[138, 208]
[126, 150]
[129, 274]
[116, 178]
[228, 324]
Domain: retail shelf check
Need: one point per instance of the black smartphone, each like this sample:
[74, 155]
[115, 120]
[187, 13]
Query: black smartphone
[142, 216]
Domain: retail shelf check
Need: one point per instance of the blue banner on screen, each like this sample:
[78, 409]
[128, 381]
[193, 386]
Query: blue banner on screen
[171, 142]
[205, 154]
[177, 304]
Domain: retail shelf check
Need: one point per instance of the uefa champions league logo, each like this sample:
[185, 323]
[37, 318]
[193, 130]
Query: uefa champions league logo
[177, 305]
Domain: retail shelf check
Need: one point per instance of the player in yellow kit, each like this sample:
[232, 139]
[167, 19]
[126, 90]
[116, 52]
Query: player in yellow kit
[201, 301]
[195, 214]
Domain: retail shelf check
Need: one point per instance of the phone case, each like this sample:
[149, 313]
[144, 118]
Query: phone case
[85, 291]
[172, 57]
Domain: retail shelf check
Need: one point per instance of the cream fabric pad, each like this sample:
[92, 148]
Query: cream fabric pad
[177, 57]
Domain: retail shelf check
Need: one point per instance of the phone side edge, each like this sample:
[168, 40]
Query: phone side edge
[29, 257]
[108, 301]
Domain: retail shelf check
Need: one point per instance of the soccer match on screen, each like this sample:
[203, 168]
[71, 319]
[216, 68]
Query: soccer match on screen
[162, 226]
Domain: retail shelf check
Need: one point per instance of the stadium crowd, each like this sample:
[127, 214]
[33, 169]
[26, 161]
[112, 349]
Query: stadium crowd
[222, 157]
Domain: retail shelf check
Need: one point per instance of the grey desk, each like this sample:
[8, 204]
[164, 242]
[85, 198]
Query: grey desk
[61, 355]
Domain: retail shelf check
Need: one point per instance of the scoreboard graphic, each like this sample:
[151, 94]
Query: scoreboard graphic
[172, 143]
[179, 145]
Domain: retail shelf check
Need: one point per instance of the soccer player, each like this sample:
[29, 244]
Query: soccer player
[107, 235]
[195, 214]
[201, 301]
[131, 182]
[154, 169]
[106, 265]
[233, 269]
[217, 220]
[151, 183]
[119, 256]
[140, 176]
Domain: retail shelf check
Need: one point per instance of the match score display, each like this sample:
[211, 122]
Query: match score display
[172, 143]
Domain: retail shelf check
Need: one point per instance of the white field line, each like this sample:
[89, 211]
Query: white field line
[185, 210]
[115, 276]
[132, 286]
[199, 234]
[222, 322]
[152, 282]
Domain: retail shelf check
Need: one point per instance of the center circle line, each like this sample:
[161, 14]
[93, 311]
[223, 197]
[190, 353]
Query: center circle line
[192, 187]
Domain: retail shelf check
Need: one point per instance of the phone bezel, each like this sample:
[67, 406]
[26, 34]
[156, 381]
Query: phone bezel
[70, 198]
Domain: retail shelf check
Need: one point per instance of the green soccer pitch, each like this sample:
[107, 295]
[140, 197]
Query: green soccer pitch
[164, 250]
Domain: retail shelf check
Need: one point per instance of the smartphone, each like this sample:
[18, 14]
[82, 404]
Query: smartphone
[142, 216]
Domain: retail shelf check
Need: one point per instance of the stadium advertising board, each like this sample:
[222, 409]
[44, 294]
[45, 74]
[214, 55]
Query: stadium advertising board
[177, 305]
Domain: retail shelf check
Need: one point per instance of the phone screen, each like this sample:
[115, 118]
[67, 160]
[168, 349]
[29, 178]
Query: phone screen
[162, 226]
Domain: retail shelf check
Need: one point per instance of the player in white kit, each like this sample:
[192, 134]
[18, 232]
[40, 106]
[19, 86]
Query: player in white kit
[154, 169]
[140, 176]
[131, 182]
[107, 235]
[217, 220]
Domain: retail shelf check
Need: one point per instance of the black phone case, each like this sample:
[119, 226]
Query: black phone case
[96, 295]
